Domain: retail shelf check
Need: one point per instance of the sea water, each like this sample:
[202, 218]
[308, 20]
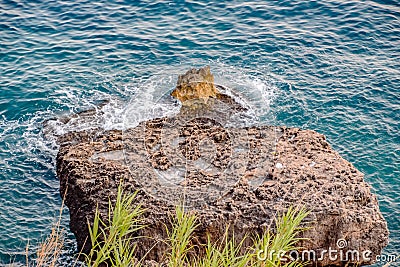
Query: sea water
[331, 66]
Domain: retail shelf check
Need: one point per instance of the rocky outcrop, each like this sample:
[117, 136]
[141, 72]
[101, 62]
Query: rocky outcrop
[195, 85]
[240, 177]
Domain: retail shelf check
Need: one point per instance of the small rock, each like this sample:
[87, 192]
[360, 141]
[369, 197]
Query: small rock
[195, 86]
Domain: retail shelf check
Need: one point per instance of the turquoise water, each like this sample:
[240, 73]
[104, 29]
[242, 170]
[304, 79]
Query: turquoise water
[331, 66]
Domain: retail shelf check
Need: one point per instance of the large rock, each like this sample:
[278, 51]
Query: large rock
[240, 177]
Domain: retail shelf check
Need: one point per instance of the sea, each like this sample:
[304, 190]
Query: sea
[332, 66]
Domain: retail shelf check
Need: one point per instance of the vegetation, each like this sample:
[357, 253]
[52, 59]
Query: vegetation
[50, 250]
[180, 237]
[114, 241]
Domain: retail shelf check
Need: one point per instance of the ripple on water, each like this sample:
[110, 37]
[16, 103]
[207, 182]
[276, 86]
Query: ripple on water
[331, 66]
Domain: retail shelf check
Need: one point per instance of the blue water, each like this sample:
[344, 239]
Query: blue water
[331, 66]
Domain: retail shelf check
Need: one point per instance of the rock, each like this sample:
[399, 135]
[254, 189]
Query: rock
[200, 97]
[240, 177]
[341, 203]
[195, 86]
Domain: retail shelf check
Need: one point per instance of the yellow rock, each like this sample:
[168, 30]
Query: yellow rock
[195, 86]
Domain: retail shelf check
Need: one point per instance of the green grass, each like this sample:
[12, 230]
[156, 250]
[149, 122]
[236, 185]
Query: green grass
[114, 240]
[225, 253]
[180, 237]
[113, 244]
[269, 246]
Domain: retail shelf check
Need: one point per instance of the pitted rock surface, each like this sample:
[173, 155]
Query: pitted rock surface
[247, 177]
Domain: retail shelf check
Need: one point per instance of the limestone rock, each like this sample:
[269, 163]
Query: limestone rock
[242, 177]
[195, 85]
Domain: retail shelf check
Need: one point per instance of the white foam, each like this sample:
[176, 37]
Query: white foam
[152, 99]
[257, 90]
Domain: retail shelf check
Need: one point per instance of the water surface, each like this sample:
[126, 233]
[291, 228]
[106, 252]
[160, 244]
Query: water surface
[330, 66]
